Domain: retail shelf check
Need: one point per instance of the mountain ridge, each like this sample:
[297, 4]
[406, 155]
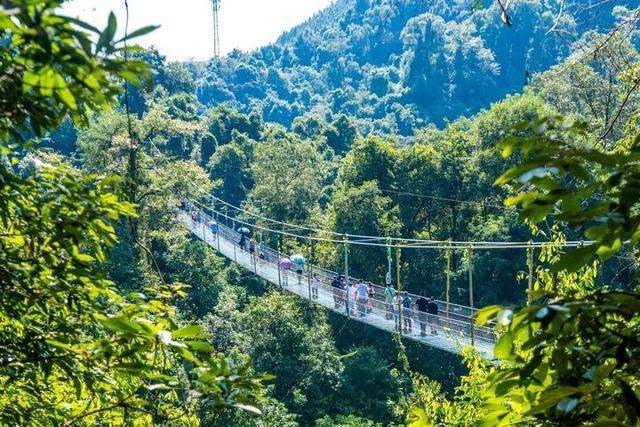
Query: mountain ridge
[395, 65]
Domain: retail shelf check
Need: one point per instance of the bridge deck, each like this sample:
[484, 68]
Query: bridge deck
[452, 334]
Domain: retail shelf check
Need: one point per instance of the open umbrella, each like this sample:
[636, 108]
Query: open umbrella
[285, 263]
[244, 230]
[297, 259]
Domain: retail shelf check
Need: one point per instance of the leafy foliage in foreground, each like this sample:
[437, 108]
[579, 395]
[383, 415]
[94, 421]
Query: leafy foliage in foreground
[66, 329]
[573, 359]
[72, 348]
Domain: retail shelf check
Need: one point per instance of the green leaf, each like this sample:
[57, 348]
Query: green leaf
[574, 259]
[139, 33]
[199, 346]
[192, 331]
[487, 314]
[121, 324]
[503, 347]
[418, 418]
[107, 34]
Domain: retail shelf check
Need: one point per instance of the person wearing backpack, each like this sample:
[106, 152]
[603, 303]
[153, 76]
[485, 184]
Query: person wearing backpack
[432, 308]
[422, 307]
[389, 294]
[336, 284]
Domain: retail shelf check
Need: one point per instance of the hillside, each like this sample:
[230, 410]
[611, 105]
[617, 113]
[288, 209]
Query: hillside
[397, 65]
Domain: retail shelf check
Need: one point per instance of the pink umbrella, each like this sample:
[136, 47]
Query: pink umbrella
[285, 263]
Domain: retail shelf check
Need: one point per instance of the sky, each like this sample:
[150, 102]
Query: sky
[186, 30]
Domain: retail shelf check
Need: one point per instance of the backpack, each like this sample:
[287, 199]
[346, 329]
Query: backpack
[433, 308]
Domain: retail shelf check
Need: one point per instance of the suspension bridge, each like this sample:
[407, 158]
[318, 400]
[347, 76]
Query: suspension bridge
[452, 329]
[454, 326]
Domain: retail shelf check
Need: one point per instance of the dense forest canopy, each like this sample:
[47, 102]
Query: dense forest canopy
[463, 120]
[398, 65]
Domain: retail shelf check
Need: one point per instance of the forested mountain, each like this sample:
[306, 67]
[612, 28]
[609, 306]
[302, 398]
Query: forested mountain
[112, 313]
[397, 65]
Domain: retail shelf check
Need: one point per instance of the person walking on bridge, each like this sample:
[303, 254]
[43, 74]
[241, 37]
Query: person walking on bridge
[407, 312]
[315, 284]
[432, 308]
[336, 284]
[371, 293]
[284, 264]
[389, 294]
[351, 297]
[363, 297]
[395, 307]
[422, 305]
[298, 262]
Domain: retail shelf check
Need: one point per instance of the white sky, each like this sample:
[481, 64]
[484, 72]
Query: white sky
[186, 30]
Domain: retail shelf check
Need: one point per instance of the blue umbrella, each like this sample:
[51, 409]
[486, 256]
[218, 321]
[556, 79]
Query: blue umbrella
[298, 259]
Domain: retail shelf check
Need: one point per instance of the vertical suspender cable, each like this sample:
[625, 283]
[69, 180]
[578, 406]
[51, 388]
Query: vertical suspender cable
[312, 257]
[233, 222]
[388, 307]
[346, 271]
[255, 249]
[399, 284]
[235, 250]
[530, 279]
[278, 249]
[203, 218]
[473, 321]
[448, 290]
[389, 276]
[226, 215]
[309, 271]
[218, 228]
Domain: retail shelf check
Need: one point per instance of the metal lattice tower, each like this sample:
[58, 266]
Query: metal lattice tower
[216, 33]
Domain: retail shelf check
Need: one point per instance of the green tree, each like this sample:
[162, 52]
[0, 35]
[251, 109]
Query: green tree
[293, 342]
[230, 165]
[288, 176]
[364, 210]
[73, 349]
[572, 358]
[369, 386]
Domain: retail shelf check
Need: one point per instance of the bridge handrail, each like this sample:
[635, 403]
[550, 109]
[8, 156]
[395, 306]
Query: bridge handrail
[456, 321]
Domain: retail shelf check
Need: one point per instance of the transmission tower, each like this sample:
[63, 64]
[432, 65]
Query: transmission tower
[216, 33]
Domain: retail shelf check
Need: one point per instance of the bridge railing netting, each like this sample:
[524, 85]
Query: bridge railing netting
[458, 323]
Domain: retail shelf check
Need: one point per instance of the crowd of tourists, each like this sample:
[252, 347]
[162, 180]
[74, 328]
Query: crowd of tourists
[357, 296]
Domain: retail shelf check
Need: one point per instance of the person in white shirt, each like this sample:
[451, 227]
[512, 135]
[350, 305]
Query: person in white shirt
[396, 303]
[351, 289]
[315, 284]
